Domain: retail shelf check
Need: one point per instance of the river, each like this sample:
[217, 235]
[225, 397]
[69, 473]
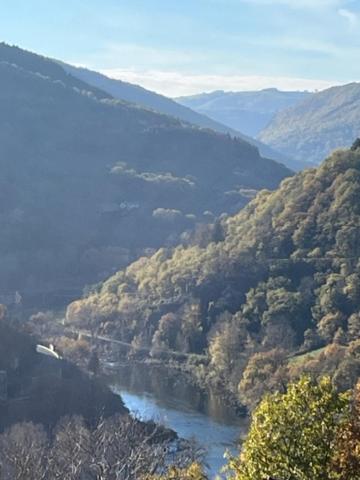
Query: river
[152, 392]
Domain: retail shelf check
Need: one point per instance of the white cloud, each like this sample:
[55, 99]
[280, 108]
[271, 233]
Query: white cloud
[174, 84]
[350, 16]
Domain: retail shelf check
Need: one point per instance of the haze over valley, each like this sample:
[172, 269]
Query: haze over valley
[179, 246]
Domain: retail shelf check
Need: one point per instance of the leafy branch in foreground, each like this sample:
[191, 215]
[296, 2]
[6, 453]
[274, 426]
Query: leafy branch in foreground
[294, 436]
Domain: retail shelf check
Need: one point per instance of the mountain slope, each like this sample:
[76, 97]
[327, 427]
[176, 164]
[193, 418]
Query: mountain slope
[159, 103]
[248, 112]
[87, 182]
[46, 67]
[283, 276]
[40, 389]
[321, 123]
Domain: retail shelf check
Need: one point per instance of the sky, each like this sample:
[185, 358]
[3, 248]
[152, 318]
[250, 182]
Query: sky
[183, 47]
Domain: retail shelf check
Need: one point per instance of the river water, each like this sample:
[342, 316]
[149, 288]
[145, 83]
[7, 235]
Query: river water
[157, 394]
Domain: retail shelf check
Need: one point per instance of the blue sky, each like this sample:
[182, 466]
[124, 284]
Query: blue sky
[186, 46]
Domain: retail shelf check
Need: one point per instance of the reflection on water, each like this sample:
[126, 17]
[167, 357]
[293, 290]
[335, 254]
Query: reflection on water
[155, 393]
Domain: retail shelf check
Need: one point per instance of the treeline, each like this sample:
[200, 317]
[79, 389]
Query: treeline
[281, 278]
[309, 432]
[120, 448]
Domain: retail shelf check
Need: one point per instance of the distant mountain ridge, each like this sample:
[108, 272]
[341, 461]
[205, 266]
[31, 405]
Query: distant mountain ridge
[247, 111]
[159, 103]
[322, 122]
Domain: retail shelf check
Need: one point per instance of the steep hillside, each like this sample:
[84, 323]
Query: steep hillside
[248, 112]
[321, 123]
[283, 277]
[87, 182]
[41, 389]
[136, 94]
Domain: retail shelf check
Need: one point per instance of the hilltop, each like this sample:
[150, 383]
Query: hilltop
[159, 103]
[249, 112]
[322, 122]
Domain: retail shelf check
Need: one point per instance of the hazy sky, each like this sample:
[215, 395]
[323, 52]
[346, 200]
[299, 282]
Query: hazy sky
[185, 46]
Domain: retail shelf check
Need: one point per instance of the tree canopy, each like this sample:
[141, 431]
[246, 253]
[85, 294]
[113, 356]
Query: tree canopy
[293, 435]
[282, 280]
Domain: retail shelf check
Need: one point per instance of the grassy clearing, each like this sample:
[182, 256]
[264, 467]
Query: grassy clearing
[298, 359]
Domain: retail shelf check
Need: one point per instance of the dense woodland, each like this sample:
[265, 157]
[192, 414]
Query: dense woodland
[277, 280]
[252, 292]
[89, 183]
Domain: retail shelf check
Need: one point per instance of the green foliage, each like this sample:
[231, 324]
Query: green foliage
[346, 455]
[292, 435]
[340, 362]
[320, 123]
[265, 372]
[193, 472]
[285, 275]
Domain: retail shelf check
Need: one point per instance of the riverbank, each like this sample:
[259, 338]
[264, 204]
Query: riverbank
[192, 369]
[152, 391]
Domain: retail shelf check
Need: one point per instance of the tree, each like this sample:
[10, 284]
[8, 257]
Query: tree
[340, 337]
[94, 363]
[312, 339]
[346, 459]
[354, 326]
[292, 435]
[330, 324]
[120, 447]
[265, 372]
[193, 472]
[356, 144]
[23, 453]
[227, 343]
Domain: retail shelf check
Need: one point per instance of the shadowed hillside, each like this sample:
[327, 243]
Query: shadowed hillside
[88, 183]
[159, 103]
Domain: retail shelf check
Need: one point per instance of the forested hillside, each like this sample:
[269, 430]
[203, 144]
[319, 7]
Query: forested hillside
[322, 122]
[248, 112]
[281, 278]
[89, 183]
[159, 103]
[39, 388]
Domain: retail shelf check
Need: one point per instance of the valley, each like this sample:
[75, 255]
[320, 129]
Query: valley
[179, 241]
